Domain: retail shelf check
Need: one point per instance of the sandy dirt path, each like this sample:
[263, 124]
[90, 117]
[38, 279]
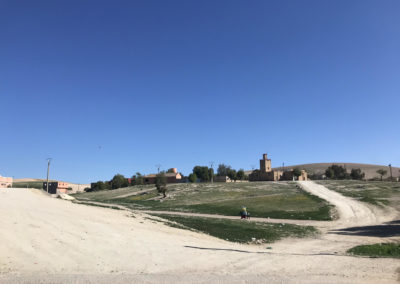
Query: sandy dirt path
[351, 212]
[47, 240]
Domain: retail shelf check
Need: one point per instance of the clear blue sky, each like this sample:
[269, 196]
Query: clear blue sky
[107, 87]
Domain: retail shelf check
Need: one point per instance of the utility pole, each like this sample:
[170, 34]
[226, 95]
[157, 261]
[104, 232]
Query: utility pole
[212, 172]
[391, 176]
[158, 166]
[48, 169]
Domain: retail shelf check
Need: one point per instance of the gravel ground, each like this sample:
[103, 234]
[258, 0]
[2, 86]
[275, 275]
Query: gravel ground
[47, 240]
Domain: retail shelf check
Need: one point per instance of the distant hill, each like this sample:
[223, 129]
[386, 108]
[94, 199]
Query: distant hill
[369, 170]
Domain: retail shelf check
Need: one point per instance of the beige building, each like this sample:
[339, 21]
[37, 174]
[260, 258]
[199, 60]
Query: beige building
[6, 181]
[267, 174]
[173, 177]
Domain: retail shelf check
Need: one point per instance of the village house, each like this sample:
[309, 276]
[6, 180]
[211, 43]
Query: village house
[173, 177]
[266, 173]
[56, 187]
[6, 181]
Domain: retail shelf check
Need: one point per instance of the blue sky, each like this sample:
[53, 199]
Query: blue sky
[107, 87]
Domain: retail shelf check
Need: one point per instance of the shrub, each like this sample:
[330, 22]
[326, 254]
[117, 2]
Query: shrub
[192, 178]
[161, 183]
[357, 174]
[336, 172]
[119, 181]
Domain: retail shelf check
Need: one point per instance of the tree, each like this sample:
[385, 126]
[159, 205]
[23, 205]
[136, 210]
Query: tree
[357, 174]
[96, 186]
[138, 179]
[171, 170]
[192, 178]
[223, 170]
[232, 174]
[240, 174]
[381, 172]
[202, 173]
[336, 172]
[296, 172]
[161, 183]
[119, 181]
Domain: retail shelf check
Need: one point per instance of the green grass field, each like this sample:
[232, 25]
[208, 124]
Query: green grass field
[391, 250]
[240, 231]
[28, 184]
[263, 199]
[373, 192]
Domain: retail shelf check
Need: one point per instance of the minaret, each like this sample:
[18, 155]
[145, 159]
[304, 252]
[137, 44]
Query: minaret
[265, 164]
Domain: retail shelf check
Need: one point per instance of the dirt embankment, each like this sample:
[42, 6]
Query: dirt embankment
[50, 240]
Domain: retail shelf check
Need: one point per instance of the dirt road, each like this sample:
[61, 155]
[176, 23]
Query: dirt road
[351, 212]
[49, 240]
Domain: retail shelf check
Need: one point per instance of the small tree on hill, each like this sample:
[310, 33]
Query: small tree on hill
[98, 186]
[192, 178]
[381, 172]
[119, 181]
[357, 174]
[161, 183]
[240, 174]
[138, 178]
[232, 174]
[223, 170]
[203, 173]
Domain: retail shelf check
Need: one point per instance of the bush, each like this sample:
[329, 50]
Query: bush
[161, 183]
[296, 172]
[377, 250]
[96, 186]
[119, 181]
[138, 179]
[357, 174]
[240, 174]
[203, 173]
[336, 172]
[192, 178]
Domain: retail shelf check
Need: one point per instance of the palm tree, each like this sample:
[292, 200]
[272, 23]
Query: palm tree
[381, 172]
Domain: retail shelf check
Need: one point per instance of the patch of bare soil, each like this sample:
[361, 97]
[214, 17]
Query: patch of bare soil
[47, 240]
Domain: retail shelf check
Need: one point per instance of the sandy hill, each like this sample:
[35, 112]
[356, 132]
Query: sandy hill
[369, 170]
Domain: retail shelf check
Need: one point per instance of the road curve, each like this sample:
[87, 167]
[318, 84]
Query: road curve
[351, 212]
